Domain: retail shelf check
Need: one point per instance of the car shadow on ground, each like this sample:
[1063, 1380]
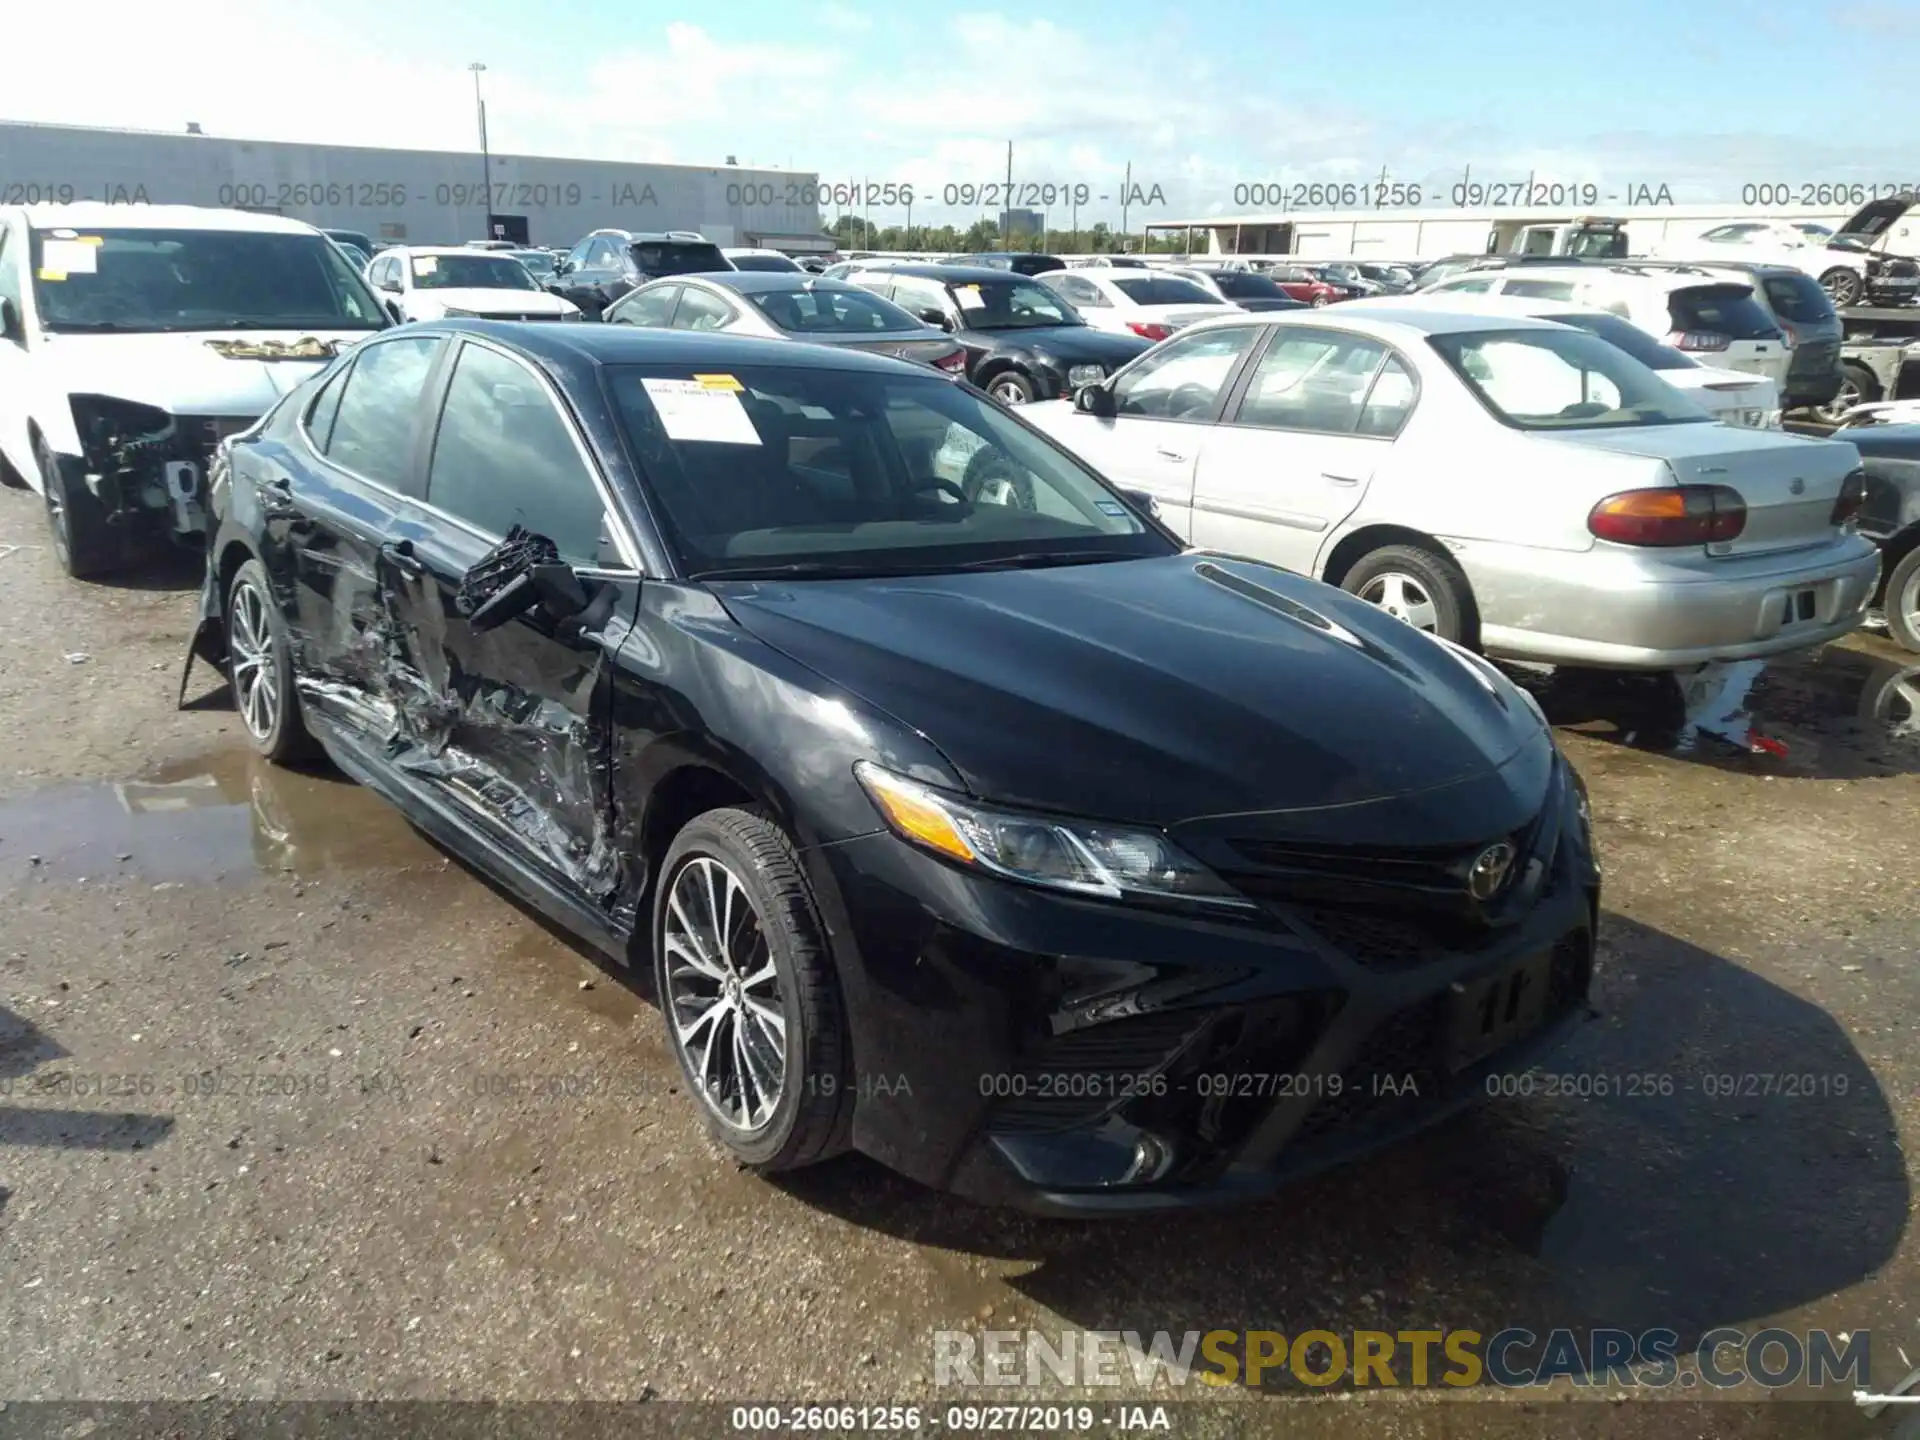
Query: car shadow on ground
[1833, 713]
[24, 1049]
[1694, 1198]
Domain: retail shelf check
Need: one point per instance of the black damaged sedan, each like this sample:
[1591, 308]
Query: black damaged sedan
[998, 838]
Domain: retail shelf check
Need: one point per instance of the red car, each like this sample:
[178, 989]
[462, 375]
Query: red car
[1303, 282]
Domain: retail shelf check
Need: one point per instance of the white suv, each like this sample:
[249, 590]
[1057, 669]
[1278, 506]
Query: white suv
[134, 340]
[1712, 318]
[1849, 275]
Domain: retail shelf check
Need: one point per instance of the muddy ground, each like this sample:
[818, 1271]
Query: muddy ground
[264, 1055]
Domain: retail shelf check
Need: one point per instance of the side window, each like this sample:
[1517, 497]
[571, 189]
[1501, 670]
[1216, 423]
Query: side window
[651, 307]
[917, 297]
[372, 431]
[1467, 287]
[505, 455]
[324, 407]
[1389, 402]
[700, 310]
[1183, 378]
[1080, 292]
[1542, 289]
[1311, 380]
[9, 279]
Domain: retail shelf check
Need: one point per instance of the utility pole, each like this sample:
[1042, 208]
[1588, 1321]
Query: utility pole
[486, 158]
[1125, 186]
[1006, 208]
[866, 192]
[909, 224]
[1074, 244]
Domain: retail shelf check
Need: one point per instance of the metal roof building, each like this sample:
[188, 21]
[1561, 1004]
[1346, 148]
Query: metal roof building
[419, 196]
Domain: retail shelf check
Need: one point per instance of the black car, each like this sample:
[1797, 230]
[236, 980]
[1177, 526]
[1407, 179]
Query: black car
[1890, 517]
[609, 263]
[1253, 292]
[1018, 261]
[1006, 842]
[1023, 342]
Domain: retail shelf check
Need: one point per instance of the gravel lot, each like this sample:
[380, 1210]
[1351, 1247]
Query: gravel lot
[296, 1157]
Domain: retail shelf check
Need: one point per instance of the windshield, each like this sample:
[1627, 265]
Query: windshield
[1162, 290]
[798, 470]
[1562, 380]
[831, 310]
[470, 272]
[1013, 304]
[156, 280]
[1630, 338]
[673, 257]
[1239, 285]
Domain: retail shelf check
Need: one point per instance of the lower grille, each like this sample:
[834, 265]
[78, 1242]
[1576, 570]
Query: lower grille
[1075, 1079]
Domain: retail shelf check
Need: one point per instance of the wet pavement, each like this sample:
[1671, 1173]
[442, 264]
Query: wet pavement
[294, 1106]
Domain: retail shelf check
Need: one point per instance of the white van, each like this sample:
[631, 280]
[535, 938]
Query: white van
[134, 339]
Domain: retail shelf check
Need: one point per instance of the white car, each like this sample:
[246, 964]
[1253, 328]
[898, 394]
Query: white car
[1693, 310]
[136, 339]
[1732, 397]
[1149, 303]
[1515, 486]
[1849, 273]
[438, 282]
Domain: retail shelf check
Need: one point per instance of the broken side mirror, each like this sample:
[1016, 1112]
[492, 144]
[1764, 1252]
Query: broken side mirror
[1095, 400]
[551, 587]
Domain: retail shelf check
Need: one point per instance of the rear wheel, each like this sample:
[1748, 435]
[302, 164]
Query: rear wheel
[1419, 586]
[260, 667]
[82, 540]
[1843, 286]
[1902, 601]
[1858, 386]
[749, 993]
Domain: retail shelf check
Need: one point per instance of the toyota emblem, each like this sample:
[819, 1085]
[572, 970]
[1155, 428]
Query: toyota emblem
[1489, 871]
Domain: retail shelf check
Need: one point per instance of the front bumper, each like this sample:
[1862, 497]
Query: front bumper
[1065, 1056]
[1649, 610]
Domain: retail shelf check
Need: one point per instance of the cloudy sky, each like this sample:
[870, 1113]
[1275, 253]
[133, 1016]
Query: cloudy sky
[1703, 98]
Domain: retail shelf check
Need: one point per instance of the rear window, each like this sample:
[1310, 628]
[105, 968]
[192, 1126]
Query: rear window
[1162, 290]
[1728, 310]
[1799, 299]
[817, 311]
[1242, 286]
[678, 258]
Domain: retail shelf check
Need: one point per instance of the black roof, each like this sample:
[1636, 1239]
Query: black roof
[953, 274]
[760, 282]
[561, 347]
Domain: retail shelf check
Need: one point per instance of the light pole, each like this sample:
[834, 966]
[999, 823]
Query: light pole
[486, 159]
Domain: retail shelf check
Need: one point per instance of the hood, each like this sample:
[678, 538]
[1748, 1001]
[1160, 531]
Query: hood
[1076, 344]
[1876, 217]
[488, 300]
[1154, 690]
[186, 373]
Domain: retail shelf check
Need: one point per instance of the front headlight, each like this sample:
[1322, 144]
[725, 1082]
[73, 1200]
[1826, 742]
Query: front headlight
[1078, 375]
[1087, 857]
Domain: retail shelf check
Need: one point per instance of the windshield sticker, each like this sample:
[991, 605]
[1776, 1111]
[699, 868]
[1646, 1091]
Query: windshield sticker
[69, 257]
[425, 264]
[1111, 507]
[53, 274]
[92, 239]
[308, 348]
[720, 382]
[970, 297]
[691, 410]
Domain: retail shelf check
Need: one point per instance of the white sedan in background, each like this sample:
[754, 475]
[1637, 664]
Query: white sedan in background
[420, 282]
[1733, 397]
[1516, 486]
[1148, 303]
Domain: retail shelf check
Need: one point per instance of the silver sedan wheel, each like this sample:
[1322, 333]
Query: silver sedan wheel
[1007, 392]
[252, 662]
[723, 995]
[1907, 603]
[1404, 598]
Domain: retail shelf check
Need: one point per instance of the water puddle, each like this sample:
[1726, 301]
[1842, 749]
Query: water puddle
[1836, 712]
[225, 816]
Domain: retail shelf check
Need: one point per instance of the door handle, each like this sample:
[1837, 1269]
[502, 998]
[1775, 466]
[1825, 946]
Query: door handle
[1340, 479]
[399, 554]
[1166, 454]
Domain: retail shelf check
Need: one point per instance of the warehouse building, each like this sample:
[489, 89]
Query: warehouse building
[416, 196]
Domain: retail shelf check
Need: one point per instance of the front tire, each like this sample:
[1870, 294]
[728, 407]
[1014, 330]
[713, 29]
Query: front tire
[260, 669]
[1858, 386]
[1420, 586]
[1843, 286]
[83, 542]
[1901, 601]
[749, 993]
[1010, 387]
